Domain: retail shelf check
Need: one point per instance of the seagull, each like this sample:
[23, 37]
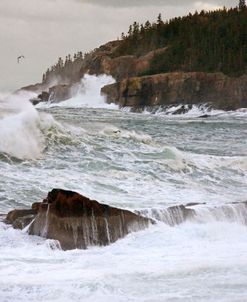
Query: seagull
[19, 58]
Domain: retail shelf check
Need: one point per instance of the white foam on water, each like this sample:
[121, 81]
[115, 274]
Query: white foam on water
[185, 262]
[88, 94]
[118, 133]
[126, 161]
[25, 132]
[190, 111]
[20, 135]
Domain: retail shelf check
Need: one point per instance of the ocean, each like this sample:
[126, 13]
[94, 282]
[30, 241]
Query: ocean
[138, 161]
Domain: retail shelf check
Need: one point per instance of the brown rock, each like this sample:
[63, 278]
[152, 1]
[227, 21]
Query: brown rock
[78, 222]
[20, 218]
[217, 89]
[120, 67]
[37, 88]
[36, 205]
[44, 96]
[22, 222]
[60, 93]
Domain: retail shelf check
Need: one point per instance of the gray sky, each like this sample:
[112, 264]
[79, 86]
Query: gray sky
[44, 30]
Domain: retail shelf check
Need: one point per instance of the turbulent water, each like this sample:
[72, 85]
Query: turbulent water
[143, 162]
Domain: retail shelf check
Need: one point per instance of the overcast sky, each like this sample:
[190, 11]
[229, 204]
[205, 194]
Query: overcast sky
[44, 30]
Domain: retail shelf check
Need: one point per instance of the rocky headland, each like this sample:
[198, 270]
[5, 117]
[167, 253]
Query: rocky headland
[187, 60]
[215, 89]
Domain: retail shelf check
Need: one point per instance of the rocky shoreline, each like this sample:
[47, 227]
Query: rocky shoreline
[134, 90]
[216, 89]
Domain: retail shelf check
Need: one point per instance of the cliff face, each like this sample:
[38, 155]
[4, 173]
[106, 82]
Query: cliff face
[217, 89]
[102, 61]
[190, 59]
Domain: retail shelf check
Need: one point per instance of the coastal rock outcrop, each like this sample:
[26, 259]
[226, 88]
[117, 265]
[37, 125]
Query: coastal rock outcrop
[60, 93]
[55, 94]
[104, 61]
[78, 222]
[134, 90]
[217, 89]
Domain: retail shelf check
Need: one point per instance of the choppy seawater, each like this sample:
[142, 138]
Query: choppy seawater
[134, 161]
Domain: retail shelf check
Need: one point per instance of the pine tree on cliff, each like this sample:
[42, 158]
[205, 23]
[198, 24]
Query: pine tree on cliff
[130, 32]
[147, 25]
[159, 21]
[242, 4]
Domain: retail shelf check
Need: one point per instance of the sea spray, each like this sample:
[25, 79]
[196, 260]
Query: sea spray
[199, 213]
[87, 94]
[107, 231]
[45, 229]
[189, 261]
[25, 132]
[20, 135]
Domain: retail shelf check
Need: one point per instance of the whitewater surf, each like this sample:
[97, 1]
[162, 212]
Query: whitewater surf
[142, 162]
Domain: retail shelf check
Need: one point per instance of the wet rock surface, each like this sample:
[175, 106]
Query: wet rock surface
[176, 88]
[76, 221]
[21, 218]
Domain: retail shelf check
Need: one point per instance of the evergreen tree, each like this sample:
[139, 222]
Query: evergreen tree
[242, 4]
[213, 41]
[130, 32]
[147, 25]
[135, 28]
[159, 20]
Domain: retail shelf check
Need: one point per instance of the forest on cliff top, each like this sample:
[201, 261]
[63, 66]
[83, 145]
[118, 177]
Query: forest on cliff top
[213, 41]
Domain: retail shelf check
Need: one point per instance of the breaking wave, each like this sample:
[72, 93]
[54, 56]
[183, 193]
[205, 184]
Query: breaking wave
[24, 132]
[199, 213]
[88, 94]
[187, 110]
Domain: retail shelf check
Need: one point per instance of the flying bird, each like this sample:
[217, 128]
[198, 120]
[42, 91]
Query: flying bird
[19, 58]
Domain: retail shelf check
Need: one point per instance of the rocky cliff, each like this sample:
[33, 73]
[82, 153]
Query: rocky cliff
[134, 90]
[102, 60]
[191, 59]
[216, 89]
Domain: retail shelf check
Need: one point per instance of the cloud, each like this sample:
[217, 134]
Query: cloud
[141, 3]
[44, 30]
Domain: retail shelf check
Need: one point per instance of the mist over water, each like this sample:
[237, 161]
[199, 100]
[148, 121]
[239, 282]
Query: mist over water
[143, 162]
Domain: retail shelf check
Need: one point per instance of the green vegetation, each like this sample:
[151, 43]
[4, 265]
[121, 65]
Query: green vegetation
[207, 41]
[214, 41]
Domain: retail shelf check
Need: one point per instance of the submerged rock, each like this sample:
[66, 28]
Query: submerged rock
[172, 216]
[21, 218]
[76, 221]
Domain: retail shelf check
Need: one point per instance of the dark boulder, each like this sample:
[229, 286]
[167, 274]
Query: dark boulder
[78, 222]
